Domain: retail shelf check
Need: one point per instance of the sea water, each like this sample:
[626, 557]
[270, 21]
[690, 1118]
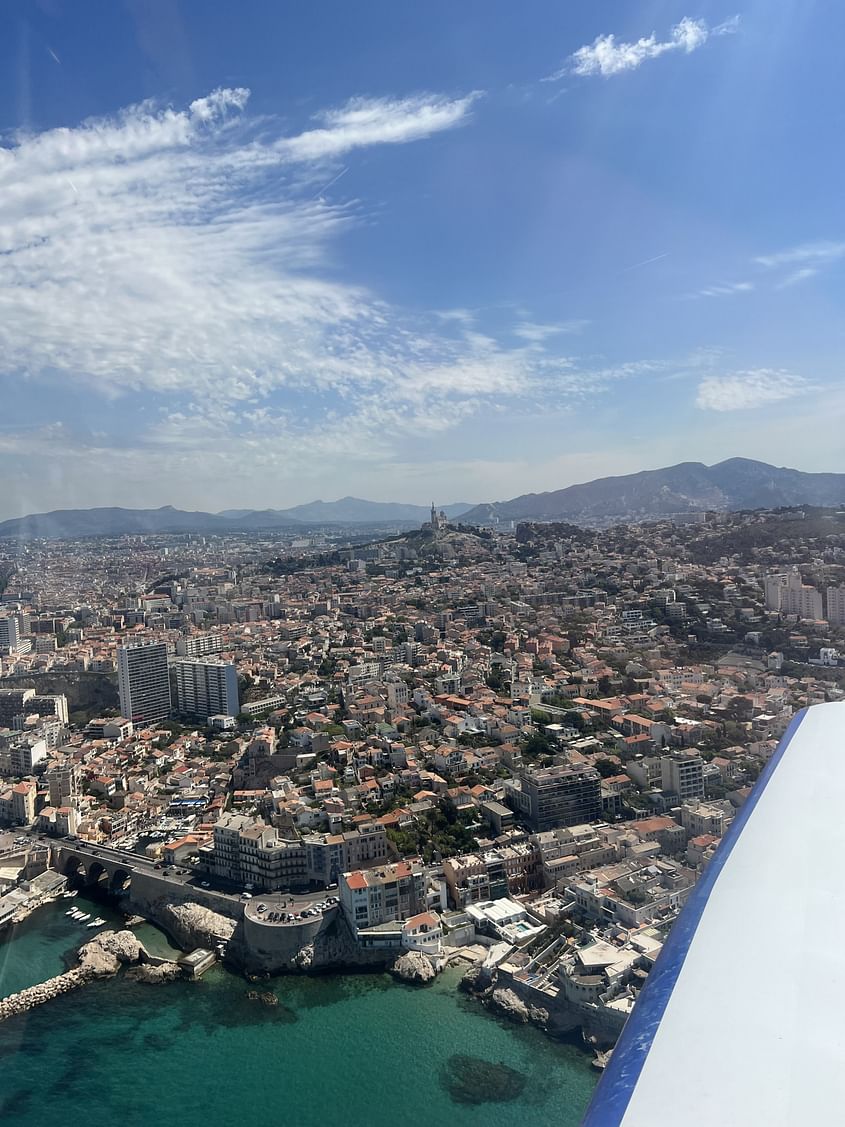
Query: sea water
[337, 1049]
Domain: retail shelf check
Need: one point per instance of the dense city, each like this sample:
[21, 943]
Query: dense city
[512, 748]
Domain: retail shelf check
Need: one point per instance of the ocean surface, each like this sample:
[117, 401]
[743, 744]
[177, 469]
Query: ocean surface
[346, 1050]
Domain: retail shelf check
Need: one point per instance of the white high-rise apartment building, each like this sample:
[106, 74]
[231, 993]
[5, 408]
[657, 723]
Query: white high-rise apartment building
[10, 634]
[836, 606]
[144, 682]
[786, 593]
[198, 645]
[206, 687]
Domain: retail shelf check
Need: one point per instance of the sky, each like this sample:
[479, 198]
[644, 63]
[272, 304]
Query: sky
[255, 254]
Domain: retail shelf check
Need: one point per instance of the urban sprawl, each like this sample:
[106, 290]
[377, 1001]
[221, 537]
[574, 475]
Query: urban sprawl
[519, 747]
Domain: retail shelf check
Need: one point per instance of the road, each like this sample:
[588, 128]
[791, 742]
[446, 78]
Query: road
[184, 876]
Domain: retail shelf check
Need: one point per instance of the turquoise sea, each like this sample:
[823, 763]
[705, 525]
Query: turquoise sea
[349, 1050]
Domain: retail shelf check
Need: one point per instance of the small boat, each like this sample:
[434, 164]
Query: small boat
[70, 912]
[96, 923]
[83, 916]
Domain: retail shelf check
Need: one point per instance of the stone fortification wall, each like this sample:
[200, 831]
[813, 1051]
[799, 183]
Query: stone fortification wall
[149, 893]
[324, 943]
[523, 1002]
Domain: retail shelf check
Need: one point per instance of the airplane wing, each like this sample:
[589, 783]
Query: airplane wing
[742, 1019]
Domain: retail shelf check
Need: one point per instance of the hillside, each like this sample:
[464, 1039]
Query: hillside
[71, 523]
[739, 483]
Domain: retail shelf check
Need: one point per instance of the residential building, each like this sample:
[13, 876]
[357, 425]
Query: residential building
[682, 774]
[370, 897]
[785, 592]
[65, 783]
[557, 796]
[206, 687]
[143, 682]
[246, 851]
[23, 802]
[836, 605]
[48, 705]
[13, 703]
[22, 754]
[198, 645]
[10, 635]
[329, 855]
[704, 818]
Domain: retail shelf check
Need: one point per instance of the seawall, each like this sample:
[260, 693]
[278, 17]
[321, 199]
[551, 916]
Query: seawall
[36, 995]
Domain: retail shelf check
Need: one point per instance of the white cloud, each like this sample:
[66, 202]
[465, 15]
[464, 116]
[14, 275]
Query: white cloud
[180, 249]
[177, 260]
[535, 333]
[606, 56]
[798, 276]
[377, 121]
[819, 252]
[739, 391]
[723, 289]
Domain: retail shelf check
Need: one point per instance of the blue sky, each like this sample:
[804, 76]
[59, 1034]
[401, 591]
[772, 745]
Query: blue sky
[255, 254]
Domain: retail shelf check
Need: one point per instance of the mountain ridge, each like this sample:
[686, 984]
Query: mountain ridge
[114, 520]
[688, 487]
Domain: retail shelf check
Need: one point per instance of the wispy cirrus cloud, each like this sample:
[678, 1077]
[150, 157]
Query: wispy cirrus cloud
[723, 289]
[377, 121]
[177, 249]
[740, 391]
[182, 260]
[818, 253]
[606, 56]
[800, 263]
[793, 279]
[538, 333]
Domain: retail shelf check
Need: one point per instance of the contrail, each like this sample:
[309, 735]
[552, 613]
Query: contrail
[55, 56]
[333, 180]
[645, 262]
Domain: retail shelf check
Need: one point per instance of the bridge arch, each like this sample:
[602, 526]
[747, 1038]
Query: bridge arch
[120, 879]
[72, 866]
[95, 872]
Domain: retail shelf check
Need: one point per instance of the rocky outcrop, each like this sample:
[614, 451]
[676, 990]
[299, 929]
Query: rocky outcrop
[304, 959]
[164, 972]
[265, 997]
[104, 954]
[191, 925]
[509, 1004]
[100, 958]
[414, 966]
[477, 980]
[336, 947]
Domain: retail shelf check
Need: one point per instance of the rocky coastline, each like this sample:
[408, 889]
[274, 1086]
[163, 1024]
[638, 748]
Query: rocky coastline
[101, 957]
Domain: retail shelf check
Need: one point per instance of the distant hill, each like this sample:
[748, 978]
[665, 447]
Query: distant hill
[352, 510]
[70, 523]
[739, 483]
